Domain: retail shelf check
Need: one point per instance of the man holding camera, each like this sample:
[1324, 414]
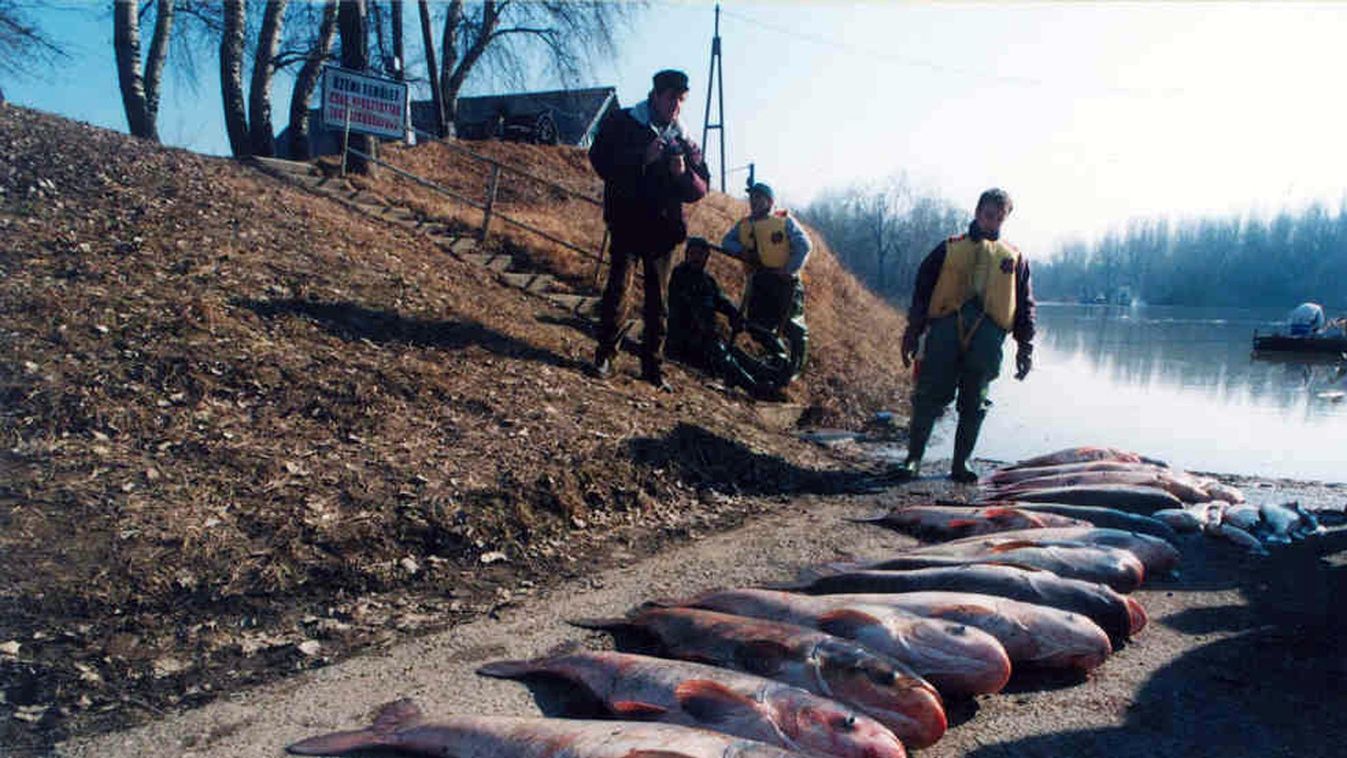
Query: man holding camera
[775, 248]
[650, 167]
[971, 291]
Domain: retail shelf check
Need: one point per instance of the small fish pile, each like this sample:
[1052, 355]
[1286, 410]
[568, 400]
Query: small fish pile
[1247, 525]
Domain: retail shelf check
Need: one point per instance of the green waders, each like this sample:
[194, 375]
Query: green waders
[962, 357]
[776, 306]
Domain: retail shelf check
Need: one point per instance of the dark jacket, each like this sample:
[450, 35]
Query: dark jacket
[694, 300]
[929, 273]
[644, 204]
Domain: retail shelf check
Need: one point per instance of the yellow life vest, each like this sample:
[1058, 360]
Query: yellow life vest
[984, 269]
[767, 236]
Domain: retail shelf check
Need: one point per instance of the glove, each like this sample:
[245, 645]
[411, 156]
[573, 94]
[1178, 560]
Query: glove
[909, 349]
[1023, 360]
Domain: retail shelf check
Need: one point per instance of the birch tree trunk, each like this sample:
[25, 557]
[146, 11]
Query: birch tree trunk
[126, 47]
[307, 80]
[231, 78]
[427, 40]
[355, 57]
[261, 133]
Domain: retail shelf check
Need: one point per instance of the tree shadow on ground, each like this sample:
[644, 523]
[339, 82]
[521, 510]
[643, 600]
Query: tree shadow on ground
[1273, 688]
[353, 323]
[700, 457]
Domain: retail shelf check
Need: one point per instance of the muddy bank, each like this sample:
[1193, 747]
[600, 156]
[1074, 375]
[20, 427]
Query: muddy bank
[1242, 656]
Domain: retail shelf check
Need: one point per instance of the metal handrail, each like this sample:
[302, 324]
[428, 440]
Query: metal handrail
[513, 169]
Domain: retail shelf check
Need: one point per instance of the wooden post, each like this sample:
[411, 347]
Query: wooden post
[490, 201]
[346, 140]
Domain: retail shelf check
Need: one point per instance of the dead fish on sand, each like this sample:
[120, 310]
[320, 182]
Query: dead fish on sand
[826, 665]
[1118, 615]
[1036, 635]
[1157, 555]
[639, 687]
[1110, 518]
[958, 659]
[1136, 499]
[1081, 454]
[1177, 484]
[1116, 568]
[399, 728]
[948, 521]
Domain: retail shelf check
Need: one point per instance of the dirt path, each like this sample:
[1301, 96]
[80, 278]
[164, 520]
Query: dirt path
[1242, 656]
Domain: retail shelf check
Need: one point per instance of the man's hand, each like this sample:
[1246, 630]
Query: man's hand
[909, 349]
[677, 166]
[1024, 360]
[653, 151]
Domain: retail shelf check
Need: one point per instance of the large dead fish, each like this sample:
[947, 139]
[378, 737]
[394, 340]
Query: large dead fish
[1143, 500]
[1006, 476]
[1176, 484]
[1118, 615]
[1081, 454]
[949, 521]
[1157, 555]
[826, 665]
[1111, 518]
[958, 659]
[640, 687]
[1118, 569]
[399, 729]
[1035, 635]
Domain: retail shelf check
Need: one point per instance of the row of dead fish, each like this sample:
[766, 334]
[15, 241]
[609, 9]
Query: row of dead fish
[853, 659]
[1126, 481]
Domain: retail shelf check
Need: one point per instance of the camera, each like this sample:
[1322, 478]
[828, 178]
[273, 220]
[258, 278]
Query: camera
[674, 148]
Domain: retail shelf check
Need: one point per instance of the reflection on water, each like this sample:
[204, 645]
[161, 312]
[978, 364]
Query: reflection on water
[1179, 383]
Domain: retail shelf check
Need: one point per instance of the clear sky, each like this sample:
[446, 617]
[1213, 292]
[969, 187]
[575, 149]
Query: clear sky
[1088, 113]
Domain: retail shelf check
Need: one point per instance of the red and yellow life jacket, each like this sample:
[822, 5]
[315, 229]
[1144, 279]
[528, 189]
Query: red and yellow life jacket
[768, 236]
[982, 268]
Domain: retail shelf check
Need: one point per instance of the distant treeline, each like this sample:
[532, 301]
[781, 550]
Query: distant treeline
[882, 231]
[1236, 260]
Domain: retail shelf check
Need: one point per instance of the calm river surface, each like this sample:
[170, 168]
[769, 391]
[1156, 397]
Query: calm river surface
[1176, 383]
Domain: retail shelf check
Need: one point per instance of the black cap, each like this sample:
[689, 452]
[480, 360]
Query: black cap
[671, 79]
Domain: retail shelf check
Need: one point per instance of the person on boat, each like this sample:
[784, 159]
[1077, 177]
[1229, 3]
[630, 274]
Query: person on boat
[971, 292]
[1306, 320]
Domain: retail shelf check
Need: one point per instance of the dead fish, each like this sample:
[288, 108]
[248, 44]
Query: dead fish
[830, 666]
[1081, 454]
[398, 727]
[1116, 568]
[1143, 500]
[1118, 615]
[1181, 519]
[1242, 515]
[639, 687]
[1238, 536]
[948, 521]
[1309, 523]
[1279, 521]
[1157, 555]
[1006, 476]
[1162, 479]
[1111, 518]
[1221, 491]
[956, 658]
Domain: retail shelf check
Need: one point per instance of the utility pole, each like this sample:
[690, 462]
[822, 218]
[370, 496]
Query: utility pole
[715, 79]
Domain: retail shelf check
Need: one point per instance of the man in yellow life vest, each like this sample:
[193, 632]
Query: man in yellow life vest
[775, 248]
[971, 291]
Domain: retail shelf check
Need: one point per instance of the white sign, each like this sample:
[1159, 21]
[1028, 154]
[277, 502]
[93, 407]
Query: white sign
[372, 105]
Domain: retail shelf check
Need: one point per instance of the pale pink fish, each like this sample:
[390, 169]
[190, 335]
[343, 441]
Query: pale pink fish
[1006, 476]
[948, 521]
[1081, 454]
[824, 664]
[1180, 486]
[956, 658]
[399, 729]
[640, 687]
[1157, 555]
[1037, 635]
[1119, 569]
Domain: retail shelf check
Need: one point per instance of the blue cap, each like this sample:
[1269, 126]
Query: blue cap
[762, 189]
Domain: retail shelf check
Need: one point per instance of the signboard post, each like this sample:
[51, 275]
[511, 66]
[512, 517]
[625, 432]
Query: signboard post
[364, 103]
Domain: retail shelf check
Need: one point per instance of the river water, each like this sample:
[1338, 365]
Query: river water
[1174, 383]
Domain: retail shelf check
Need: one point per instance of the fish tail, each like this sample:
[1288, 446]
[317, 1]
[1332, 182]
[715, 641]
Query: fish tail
[602, 624]
[396, 715]
[508, 669]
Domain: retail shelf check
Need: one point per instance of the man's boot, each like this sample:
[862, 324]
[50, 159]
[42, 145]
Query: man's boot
[653, 372]
[965, 438]
[603, 360]
[919, 433]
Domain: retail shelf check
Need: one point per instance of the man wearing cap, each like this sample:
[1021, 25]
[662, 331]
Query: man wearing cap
[971, 291]
[695, 297]
[775, 248]
[650, 167]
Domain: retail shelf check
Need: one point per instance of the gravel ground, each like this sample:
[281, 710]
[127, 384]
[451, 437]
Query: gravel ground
[1243, 656]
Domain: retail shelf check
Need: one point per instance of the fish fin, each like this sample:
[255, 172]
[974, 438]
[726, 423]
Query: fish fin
[710, 701]
[602, 624]
[635, 709]
[763, 657]
[844, 622]
[396, 715]
[508, 669]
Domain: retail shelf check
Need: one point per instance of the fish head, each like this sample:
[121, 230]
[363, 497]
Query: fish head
[881, 687]
[827, 727]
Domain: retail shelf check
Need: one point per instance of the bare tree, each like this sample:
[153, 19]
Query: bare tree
[140, 93]
[24, 47]
[262, 135]
[428, 41]
[351, 26]
[307, 80]
[231, 77]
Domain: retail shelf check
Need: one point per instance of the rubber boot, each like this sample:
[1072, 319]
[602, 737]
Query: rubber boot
[918, 434]
[965, 438]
